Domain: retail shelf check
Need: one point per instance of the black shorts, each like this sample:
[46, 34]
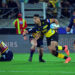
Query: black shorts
[52, 38]
[7, 56]
[40, 42]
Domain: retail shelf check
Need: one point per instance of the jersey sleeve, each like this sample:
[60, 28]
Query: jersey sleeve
[71, 23]
[32, 30]
[49, 21]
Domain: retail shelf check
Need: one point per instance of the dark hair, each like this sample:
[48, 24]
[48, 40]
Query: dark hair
[36, 15]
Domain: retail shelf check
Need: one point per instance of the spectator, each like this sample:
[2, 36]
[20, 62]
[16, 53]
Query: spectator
[52, 10]
[65, 5]
[4, 6]
[4, 3]
[12, 4]
[20, 24]
[72, 23]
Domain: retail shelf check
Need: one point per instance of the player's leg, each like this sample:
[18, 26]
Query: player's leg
[52, 43]
[59, 48]
[65, 48]
[56, 53]
[32, 50]
[40, 50]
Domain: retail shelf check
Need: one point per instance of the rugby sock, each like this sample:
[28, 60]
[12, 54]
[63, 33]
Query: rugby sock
[62, 56]
[40, 55]
[59, 48]
[59, 55]
[32, 52]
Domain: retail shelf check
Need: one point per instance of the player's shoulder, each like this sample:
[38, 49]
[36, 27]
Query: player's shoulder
[45, 21]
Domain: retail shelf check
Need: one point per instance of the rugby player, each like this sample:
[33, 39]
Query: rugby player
[35, 42]
[5, 53]
[72, 23]
[51, 34]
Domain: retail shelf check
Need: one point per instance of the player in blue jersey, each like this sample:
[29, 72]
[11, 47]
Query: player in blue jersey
[35, 42]
[72, 23]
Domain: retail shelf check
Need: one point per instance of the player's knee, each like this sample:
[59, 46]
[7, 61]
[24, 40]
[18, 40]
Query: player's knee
[51, 47]
[34, 43]
[54, 53]
[54, 43]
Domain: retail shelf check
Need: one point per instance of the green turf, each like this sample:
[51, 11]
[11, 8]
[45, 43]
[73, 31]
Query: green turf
[52, 66]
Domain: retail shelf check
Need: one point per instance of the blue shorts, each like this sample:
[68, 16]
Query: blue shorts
[7, 56]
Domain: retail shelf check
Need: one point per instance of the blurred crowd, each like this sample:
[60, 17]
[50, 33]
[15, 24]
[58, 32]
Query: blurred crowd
[55, 8]
[60, 8]
[8, 8]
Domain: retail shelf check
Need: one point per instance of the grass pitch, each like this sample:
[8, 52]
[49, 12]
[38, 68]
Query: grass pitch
[53, 66]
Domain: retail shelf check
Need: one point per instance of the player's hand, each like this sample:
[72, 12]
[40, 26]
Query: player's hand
[25, 37]
[25, 32]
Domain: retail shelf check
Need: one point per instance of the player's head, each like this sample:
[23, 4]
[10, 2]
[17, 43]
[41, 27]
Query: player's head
[74, 12]
[19, 15]
[36, 19]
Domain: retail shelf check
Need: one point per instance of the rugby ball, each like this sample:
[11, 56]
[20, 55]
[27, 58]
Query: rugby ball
[54, 26]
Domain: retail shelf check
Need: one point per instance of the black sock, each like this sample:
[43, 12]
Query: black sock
[65, 57]
[40, 57]
[32, 52]
[63, 48]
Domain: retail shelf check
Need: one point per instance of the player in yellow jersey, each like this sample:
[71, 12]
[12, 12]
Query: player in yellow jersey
[51, 34]
[5, 53]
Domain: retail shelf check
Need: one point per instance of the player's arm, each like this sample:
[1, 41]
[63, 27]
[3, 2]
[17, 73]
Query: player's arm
[54, 21]
[28, 31]
[70, 25]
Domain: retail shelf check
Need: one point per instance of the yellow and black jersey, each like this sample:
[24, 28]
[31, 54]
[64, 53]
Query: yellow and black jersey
[35, 32]
[45, 28]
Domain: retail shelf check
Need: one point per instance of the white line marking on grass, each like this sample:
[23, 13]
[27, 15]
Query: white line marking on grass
[39, 72]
